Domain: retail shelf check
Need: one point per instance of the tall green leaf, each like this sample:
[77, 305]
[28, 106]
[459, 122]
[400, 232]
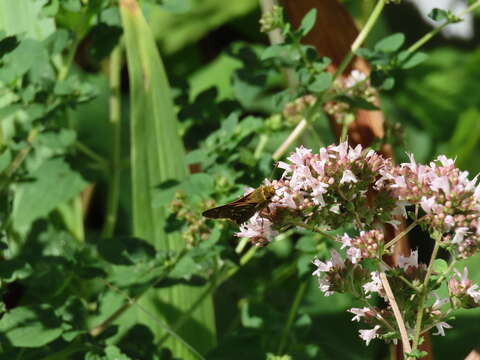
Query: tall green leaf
[157, 155]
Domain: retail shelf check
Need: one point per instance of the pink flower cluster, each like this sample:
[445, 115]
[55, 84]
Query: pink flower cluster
[331, 189]
[341, 185]
[338, 275]
[368, 245]
[450, 200]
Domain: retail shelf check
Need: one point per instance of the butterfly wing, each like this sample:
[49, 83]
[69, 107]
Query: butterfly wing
[238, 211]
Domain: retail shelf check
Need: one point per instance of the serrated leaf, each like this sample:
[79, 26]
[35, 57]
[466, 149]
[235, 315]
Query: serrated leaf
[308, 22]
[391, 43]
[26, 18]
[31, 326]
[54, 183]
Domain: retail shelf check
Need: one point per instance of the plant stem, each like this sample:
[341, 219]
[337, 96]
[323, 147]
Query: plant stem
[291, 316]
[260, 146]
[425, 38]
[216, 282]
[396, 312]
[22, 154]
[97, 330]
[402, 234]
[169, 330]
[91, 154]
[115, 116]
[361, 37]
[423, 296]
[401, 277]
[294, 135]
[300, 128]
[63, 72]
[312, 228]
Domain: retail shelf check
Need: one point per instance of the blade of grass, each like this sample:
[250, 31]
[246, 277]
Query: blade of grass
[157, 155]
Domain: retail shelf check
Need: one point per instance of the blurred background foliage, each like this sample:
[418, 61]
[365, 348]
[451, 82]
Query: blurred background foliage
[227, 101]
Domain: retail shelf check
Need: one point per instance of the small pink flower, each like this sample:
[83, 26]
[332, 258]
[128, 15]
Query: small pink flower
[440, 326]
[374, 286]
[427, 203]
[348, 177]
[449, 221]
[358, 312]
[346, 241]
[405, 262]
[300, 156]
[459, 235]
[446, 161]
[369, 335]
[441, 183]
[322, 266]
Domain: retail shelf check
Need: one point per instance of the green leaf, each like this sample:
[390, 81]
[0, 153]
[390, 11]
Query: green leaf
[125, 250]
[31, 326]
[71, 5]
[438, 14]
[20, 60]
[321, 83]
[157, 155]
[25, 17]
[440, 266]
[177, 6]
[54, 183]
[466, 136]
[414, 60]
[5, 159]
[175, 31]
[391, 43]
[277, 50]
[248, 320]
[307, 22]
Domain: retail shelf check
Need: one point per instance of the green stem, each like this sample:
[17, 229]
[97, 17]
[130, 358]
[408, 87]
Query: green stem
[91, 154]
[425, 38]
[66, 352]
[216, 282]
[423, 297]
[300, 128]
[291, 316]
[262, 142]
[99, 329]
[22, 154]
[361, 37]
[401, 277]
[186, 315]
[115, 116]
[63, 72]
[314, 229]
